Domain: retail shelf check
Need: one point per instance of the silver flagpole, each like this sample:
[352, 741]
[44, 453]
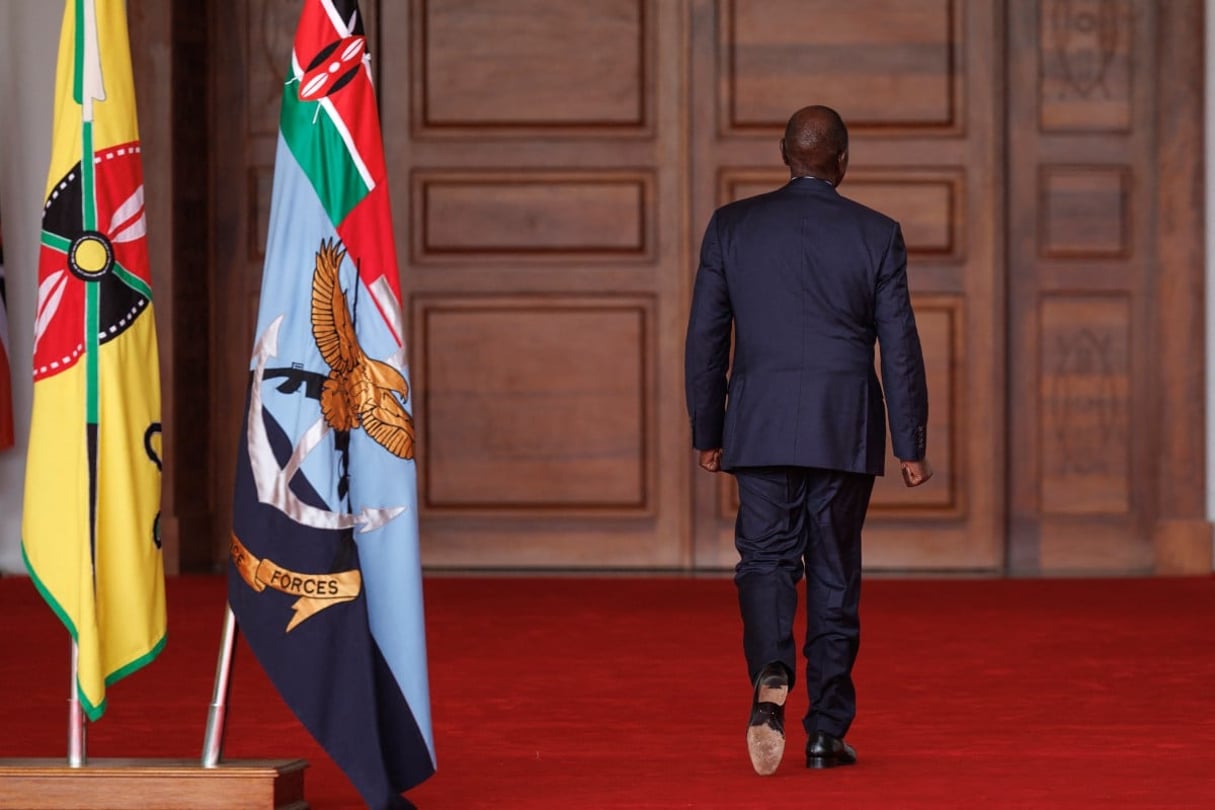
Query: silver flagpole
[76, 752]
[217, 715]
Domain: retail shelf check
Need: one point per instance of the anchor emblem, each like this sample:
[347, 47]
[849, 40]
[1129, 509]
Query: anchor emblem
[274, 483]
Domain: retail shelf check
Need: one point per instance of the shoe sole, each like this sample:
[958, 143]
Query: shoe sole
[765, 744]
[827, 762]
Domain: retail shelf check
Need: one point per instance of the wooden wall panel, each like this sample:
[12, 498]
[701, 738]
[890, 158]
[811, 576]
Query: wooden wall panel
[1090, 259]
[261, 189]
[518, 64]
[535, 404]
[1181, 536]
[1084, 212]
[1086, 63]
[531, 216]
[927, 204]
[270, 28]
[1084, 399]
[891, 63]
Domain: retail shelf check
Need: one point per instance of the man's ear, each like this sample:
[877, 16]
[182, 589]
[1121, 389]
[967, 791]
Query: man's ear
[784, 155]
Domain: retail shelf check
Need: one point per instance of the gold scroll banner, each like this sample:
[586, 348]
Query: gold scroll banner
[315, 591]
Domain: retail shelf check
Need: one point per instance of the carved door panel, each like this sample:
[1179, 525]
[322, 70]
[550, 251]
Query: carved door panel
[914, 81]
[1105, 392]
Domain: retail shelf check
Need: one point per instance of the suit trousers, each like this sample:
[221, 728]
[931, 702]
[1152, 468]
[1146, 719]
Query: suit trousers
[794, 521]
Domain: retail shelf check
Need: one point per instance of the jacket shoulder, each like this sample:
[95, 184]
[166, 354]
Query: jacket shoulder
[737, 208]
[786, 194]
[869, 215]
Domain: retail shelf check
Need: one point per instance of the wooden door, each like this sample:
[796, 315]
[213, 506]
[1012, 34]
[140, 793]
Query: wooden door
[915, 83]
[537, 167]
[553, 166]
[1106, 356]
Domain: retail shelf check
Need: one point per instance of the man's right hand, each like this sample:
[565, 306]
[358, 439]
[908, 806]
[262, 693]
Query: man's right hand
[710, 460]
[916, 472]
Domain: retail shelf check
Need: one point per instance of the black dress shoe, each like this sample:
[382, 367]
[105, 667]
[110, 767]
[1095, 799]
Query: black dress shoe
[825, 751]
[766, 729]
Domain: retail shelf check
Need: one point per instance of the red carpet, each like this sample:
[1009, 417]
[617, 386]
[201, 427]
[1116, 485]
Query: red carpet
[631, 693]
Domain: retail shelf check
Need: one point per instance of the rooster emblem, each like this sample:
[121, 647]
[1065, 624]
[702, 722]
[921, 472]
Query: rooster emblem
[359, 390]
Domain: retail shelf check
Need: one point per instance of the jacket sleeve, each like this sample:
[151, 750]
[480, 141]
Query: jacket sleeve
[903, 378]
[707, 349]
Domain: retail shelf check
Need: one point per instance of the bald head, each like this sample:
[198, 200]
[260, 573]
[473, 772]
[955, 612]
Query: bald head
[816, 143]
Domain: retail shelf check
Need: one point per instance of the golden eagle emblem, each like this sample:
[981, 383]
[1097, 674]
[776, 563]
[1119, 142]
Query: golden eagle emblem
[359, 390]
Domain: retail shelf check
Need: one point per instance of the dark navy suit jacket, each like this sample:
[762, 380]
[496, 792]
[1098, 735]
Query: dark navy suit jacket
[807, 280]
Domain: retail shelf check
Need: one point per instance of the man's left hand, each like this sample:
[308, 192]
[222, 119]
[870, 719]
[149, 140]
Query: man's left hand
[711, 460]
[916, 473]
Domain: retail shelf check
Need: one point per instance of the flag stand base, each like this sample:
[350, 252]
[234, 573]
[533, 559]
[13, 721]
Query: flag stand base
[144, 784]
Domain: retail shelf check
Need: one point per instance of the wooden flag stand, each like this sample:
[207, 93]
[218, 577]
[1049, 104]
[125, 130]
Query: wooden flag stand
[156, 784]
[151, 784]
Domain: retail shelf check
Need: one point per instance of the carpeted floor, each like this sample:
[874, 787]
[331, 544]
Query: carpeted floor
[631, 693]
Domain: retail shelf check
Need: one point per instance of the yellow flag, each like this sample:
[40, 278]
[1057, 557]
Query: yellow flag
[92, 488]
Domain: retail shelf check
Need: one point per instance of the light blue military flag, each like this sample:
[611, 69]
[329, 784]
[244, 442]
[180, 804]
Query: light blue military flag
[325, 579]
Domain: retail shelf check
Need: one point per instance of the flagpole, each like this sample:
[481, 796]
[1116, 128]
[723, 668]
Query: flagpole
[76, 752]
[137, 783]
[217, 715]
